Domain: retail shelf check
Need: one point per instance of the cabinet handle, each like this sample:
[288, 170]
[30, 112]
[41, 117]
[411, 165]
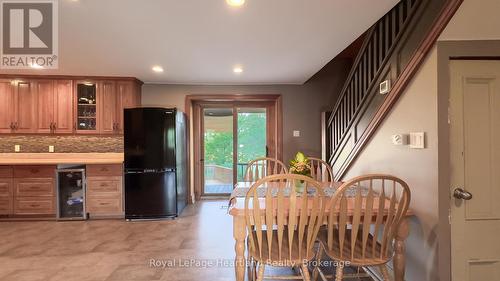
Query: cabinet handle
[16, 126]
[104, 203]
[12, 125]
[34, 188]
[35, 205]
[104, 185]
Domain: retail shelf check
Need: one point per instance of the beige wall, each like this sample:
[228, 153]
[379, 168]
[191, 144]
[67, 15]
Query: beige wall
[423, 107]
[416, 111]
[474, 20]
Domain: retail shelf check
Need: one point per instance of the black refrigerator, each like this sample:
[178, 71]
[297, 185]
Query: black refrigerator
[155, 142]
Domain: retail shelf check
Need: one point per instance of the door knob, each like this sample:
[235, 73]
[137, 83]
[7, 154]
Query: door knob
[459, 193]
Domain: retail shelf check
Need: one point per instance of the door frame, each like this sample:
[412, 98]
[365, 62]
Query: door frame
[446, 51]
[194, 103]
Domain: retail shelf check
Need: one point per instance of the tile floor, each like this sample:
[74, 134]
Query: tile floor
[118, 250]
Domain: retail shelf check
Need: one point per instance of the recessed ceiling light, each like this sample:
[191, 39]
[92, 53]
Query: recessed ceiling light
[157, 69]
[238, 69]
[36, 66]
[235, 3]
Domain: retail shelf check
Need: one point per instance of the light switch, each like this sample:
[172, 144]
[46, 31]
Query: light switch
[296, 134]
[417, 140]
[17, 148]
[51, 148]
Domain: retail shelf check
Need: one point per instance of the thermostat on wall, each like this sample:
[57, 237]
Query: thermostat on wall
[385, 87]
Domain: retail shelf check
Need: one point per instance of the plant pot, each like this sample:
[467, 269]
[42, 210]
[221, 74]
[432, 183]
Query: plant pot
[299, 186]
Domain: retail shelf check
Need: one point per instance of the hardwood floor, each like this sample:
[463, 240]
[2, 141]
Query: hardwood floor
[119, 250]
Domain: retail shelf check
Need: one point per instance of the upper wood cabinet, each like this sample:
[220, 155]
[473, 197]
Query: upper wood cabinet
[25, 108]
[87, 107]
[109, 107]
[129, 94]
[64, 106]
[100, 105]
[17, 107]
[45, 102]
[6, 106]
[54, 106]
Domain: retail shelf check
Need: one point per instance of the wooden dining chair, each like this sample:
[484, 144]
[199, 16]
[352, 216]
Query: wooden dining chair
[321, 170]
[363, 237]
[263, 167]
[282, 225]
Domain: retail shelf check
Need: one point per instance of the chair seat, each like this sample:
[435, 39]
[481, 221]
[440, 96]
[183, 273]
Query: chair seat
[371, 257]
[297, 258]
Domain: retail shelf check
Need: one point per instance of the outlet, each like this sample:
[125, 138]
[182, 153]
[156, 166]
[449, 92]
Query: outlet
[17, 148]
[51, 148]
[296, 134]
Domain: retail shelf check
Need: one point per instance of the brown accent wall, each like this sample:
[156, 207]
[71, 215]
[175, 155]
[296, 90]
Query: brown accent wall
[302, 104]
[63, 144]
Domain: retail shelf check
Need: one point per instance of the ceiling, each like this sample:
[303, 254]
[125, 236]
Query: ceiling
[200, 41]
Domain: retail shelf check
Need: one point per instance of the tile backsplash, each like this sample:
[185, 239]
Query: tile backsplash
[62, 144]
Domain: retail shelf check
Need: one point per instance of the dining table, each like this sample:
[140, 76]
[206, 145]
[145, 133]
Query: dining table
[237, 211]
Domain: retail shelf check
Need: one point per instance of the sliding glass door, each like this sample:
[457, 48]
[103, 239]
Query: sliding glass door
[218, 142]
[251, 137]
[232, 136]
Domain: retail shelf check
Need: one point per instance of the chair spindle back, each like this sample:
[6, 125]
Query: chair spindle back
[284, 216]
[379, 202]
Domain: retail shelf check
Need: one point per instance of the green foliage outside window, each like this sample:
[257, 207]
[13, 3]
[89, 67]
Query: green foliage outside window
[251, 141]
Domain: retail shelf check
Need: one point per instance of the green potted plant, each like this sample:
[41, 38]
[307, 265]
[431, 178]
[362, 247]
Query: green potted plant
[300, 165]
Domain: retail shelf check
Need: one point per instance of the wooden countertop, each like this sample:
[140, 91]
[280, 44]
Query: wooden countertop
[60, 158]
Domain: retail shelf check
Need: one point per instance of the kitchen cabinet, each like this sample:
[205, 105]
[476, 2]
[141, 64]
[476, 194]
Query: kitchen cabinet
[45, 105]
[34, 190]
[24, 107]
[17, 107]
[6, 196]
[48, 105]
[104, 197]
[129, 95]
[87, 107]
[63, 107]
[6, 191]
[6, 106]
[54, 106]
[109, 107]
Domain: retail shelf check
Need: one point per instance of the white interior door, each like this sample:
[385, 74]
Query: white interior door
[475, 170]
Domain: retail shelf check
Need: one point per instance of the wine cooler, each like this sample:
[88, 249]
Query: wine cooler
[71, 194]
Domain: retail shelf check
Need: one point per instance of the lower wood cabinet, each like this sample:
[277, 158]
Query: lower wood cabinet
[34, 206]
[34, 190]
[6, 196]
[30, 191]
[104, 197]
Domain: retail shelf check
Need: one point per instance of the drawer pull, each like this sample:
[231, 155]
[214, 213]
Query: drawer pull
[34, 205]
[104, 185]
[104, 169]
[104, 203]
[34, 187]
[35, 171]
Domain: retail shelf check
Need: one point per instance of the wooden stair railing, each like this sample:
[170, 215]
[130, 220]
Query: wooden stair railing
[390, 48]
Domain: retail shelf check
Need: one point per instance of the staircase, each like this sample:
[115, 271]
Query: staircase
[392, 51]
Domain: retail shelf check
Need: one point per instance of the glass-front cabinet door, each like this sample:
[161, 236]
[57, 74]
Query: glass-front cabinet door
[87, 107]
